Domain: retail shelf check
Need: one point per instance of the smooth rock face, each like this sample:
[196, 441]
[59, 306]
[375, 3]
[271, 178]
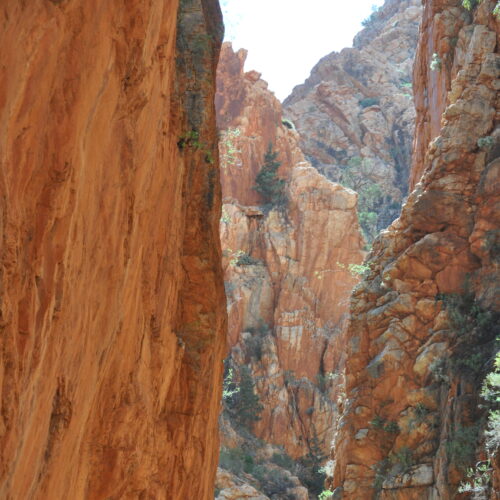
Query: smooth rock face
[287, 305]
[410, 379]
[358, 103]
[112, 305]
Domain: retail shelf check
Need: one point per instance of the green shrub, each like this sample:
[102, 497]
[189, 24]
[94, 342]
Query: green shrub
[420, 413]
[491, 385]
[378, 422]
[470, 4]
[267, 182]
[325, 494]
[478, 479]
[227, 143]
[392, 427]
[371, 18]
[244, 259]
[283, 460]
[236, 460]
[461, 446]
[369, 101]
[359, 175]
[229, 388]
[492, 433]
[402, 459]
[245, 403]
[439, 370]
[466, 314]
[272, 481]
[288, 123]
[309, 469]
[486, 142]
[490, 391]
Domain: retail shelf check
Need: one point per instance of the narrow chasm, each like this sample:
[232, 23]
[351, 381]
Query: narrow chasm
[158, 199]
[360, 235]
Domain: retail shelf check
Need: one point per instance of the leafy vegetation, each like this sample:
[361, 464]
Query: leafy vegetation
[369, 101]
[398, 462]
[371, 18]
[236, 460]
[229, 388]
[272, 481]
[478, 330]
[486, 142]
[267, 182]
[325, 494]
[228, 149]
[244, 259]
[478, 478]
[309, 470]
[461, 446]
[392, 427]
[239, 396]
[491, 393]
[378, 422]
[359, 176]
[471, 4]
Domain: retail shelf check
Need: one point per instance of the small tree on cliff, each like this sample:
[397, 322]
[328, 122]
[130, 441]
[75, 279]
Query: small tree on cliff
[267, 182]
[246, 403]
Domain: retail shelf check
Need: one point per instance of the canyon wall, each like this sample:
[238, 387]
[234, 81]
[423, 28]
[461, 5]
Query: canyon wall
[288, 269]
[112, 304]
[425, 319]
[355, 112]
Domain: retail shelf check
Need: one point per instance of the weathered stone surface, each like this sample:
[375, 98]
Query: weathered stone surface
[287, 303]
[411, 379]
[112, 306]
[232, 488]
[358, 104]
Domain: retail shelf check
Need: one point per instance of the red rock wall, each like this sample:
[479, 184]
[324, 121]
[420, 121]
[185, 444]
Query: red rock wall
[405, 346]
[300, 281]
[249, 118]
[112, 306]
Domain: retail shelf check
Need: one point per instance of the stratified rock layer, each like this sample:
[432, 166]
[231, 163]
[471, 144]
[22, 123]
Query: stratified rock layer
[414, 372]
[112, 306]
[287, 270]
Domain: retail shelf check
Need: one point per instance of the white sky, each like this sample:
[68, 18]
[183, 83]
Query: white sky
[286, 38]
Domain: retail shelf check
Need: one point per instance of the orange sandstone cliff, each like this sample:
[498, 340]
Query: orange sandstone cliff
[111, 295]
[424, 321]
[288, 271]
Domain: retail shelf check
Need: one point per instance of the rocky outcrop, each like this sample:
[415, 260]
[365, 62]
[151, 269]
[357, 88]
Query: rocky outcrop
[288, 270]
[357, 106]
[112, 305]
[425, 319]
[249, 118]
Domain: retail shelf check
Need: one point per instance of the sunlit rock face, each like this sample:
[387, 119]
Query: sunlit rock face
[112, 305]
[424, 321]
[288, 271]
[358, 104]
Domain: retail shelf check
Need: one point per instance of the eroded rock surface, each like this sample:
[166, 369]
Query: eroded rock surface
[424, 321]
[112, 306]
[288, 271]
[358, 105]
